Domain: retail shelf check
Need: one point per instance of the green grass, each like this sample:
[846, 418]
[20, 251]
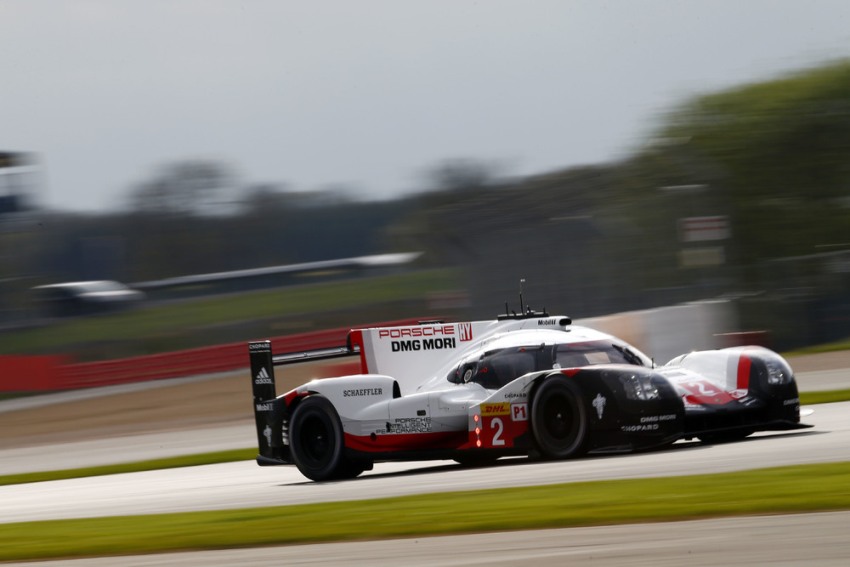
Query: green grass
[805, 488]
[161, 326]
[822, 348]
[154, 464]
[14, 395]
[825, 397]
[806, 398]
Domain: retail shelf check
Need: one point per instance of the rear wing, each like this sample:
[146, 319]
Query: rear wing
[268, 422]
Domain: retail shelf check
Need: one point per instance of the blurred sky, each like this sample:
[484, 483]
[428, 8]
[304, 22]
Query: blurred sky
[370, 94]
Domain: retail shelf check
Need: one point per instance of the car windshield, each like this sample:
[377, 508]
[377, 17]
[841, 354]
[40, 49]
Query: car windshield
[495, 369]
[594, 352]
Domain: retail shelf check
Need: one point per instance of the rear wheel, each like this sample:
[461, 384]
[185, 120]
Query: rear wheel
[558, 419]
[316, 441]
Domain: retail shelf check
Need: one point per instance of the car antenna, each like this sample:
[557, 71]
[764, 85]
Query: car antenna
[521, 307]
[525, 312]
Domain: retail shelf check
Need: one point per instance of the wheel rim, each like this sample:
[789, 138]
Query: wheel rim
[315, 440]
[560, 421]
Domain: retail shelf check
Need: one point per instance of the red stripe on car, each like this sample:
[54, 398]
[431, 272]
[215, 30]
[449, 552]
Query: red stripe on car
[744, 364]
[406, 441]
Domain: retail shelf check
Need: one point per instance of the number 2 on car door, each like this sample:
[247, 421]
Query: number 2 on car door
[499, 426]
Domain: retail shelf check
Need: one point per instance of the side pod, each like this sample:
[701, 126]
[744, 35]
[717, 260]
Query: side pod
[262, 380]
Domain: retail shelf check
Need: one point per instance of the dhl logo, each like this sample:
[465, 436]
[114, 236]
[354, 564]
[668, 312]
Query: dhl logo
[501, 408]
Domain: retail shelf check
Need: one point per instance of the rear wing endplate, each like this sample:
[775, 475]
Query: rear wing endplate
[263, 386]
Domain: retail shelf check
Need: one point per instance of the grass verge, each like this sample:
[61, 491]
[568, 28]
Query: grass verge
[825, 397]
[821, 348]
[139, 466]
[792, 489]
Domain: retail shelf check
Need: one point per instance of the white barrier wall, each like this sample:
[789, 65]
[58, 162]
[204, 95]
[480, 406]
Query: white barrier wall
[667, 332]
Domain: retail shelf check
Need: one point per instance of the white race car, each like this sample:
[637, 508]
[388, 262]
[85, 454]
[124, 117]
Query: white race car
[524, 384]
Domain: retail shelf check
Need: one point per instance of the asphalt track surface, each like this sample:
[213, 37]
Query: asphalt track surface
[243, 484]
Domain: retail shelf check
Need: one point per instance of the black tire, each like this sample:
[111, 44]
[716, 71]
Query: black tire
[316, 441]
[353, 469]
[558, 419]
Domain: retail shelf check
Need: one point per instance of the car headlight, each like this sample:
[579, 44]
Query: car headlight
[778, 373]
[639, 387]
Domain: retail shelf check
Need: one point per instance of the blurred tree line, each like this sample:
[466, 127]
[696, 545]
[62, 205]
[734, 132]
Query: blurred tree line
[192, 218]
[772, 159]
[775, 157]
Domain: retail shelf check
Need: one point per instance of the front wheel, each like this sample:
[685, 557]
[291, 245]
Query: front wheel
[316, 441]
[558, 419]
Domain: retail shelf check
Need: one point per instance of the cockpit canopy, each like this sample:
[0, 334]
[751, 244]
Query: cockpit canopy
[496, 368]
